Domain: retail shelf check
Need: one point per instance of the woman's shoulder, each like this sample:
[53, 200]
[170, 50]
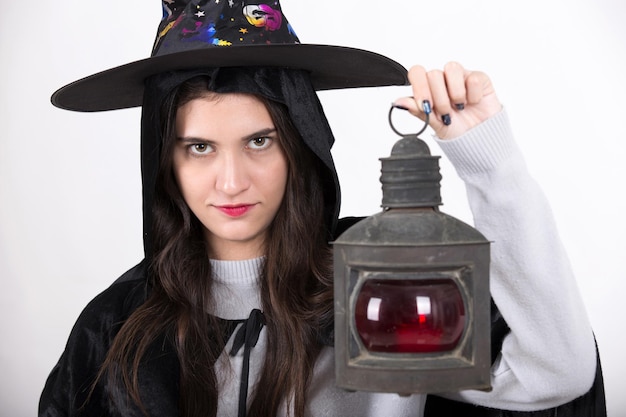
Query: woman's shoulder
[69, 382]
[109, 309]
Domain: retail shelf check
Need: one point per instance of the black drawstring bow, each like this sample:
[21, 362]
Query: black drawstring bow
[247, 336]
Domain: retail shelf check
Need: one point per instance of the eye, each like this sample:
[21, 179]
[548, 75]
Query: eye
[260, 143]
[199, 148]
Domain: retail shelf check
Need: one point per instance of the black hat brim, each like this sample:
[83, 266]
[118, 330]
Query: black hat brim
[331, 67]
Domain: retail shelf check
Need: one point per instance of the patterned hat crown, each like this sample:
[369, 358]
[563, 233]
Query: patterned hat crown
[220, 23]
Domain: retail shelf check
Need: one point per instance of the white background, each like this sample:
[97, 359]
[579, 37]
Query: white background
[70, 205]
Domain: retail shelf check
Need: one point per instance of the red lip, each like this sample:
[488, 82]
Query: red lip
[235, 210]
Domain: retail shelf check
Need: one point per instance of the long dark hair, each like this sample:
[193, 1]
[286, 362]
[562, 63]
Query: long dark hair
[296, 283]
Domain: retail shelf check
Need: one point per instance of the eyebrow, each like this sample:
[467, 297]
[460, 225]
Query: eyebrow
[262, 132]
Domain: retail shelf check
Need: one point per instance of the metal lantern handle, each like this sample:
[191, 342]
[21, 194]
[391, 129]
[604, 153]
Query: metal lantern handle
[402, 134]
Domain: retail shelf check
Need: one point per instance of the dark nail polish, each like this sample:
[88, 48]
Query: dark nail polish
[426, 107]
[446, 119]
[459, 106]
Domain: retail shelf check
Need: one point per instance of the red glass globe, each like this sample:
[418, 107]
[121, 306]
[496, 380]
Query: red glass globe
[410, 316]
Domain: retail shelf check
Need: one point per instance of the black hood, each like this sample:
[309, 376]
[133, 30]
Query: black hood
[290, 87]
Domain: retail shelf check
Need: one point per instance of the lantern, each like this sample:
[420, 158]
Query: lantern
[412, 303]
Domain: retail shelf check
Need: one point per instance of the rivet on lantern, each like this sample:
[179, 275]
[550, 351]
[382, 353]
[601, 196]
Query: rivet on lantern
[412, 302]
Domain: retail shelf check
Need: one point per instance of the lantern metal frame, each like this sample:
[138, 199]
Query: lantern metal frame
[411, 240]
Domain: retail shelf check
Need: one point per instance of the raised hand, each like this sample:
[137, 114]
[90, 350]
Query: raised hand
[459, 98]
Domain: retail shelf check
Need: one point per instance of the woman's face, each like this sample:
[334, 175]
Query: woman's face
[231, 171]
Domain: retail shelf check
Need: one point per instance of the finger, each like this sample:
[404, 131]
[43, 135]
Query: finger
[409, 104]
[420, 86]
[476, 84]
[441, 99]
[455, 81]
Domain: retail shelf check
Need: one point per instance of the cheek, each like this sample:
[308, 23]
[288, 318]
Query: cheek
[277, 178]
[191, 183]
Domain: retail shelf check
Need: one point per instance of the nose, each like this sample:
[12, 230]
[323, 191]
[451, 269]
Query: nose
[232, 175]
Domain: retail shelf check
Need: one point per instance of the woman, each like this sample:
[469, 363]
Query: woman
[231, 310]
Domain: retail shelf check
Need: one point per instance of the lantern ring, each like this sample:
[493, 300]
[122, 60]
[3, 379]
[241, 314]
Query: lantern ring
[400, 133]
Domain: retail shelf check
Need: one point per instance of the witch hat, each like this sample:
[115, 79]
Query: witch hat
[228, 33]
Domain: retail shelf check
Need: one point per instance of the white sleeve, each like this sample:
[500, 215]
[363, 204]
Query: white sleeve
[549, 357]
